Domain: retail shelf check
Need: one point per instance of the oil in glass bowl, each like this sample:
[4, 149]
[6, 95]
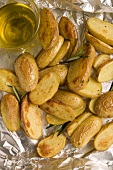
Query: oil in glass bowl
[18, 25]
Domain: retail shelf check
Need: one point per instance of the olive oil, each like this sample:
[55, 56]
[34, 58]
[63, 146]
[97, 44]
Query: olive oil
[18, 25]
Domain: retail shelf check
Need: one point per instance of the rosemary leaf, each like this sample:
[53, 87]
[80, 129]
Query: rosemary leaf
[24, 95]
[16, 93]
[63, 128]
[49, 126]
[111, 88]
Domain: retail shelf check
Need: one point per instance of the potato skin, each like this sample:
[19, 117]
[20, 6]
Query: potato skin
[104, 105]
[83, 134]
[51, 145]
[31, 119]
[104, 139]
[48, 30]
[10, 112]
[101, 30]
[80, 70]
[27, 71]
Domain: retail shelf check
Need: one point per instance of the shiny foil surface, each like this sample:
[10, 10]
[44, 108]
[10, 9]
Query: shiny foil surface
[17, 151]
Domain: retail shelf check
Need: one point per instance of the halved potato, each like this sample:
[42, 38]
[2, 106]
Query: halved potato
[104, 105]
[8, 79]
[91, 105]
[58, 109]
[93, 89]
[72, 126]
[51, 145]
[45, 89]
[98, 44]
[53, 120]
[80, 70]
[68, 30]
[48, 30]
[10, 111]
[61, 53]
[104, 139]
[80, 110]
[101, 29]
[46, 56]
[100, 59]
[61, 70]
[69, 98]
[105, 72]
[85, 131]
[31, 119]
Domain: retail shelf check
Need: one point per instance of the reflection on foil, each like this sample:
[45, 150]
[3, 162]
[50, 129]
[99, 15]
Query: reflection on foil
[17, 151]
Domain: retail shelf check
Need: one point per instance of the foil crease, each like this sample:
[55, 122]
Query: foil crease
[17, 151]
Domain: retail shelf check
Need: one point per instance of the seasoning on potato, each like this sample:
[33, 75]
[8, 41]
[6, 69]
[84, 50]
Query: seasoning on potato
[68, 30]
[48, 30]
[104, 105]
[87, 129]
[45, 89]
[104, 139]
[80, 70]
[53, 120]
[31, 119]
[27, 71]
[10, 112]
[51, 145]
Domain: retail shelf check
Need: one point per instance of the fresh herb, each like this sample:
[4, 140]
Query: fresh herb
[63, 128]
[111, 88]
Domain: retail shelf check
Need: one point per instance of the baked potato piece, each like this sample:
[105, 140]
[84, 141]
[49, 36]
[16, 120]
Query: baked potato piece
[104, 139]
[27, 71]
[104, 105]
[80, 110]
[80, 70]
[105, 71]
[61, 70]
[92, 104]
[46, 56]
[92, 89]
[10, 112]
[101, 30]
[100, 60]
[61, 53]
[58, 109]
[48, 30]
[31, 119]
[53, 120]
[8, 79]
[69, 98]
[45, 89]
[87, 129]
[51, 145]
[72, 126]
[68, 30]
[98, 44]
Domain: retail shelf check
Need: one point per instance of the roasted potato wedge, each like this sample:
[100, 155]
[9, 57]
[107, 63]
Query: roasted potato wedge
[80, 70]
[31, 119]
[61, 53]
[98, 44]
[61, 70]
[92, 89]
[58, 109]
[105, 71]
[48, 30]
[46, 56]
[45, 89]
[72, 126]
[104, 139]
[100, 60]
[92, 104]
[87, 129]
[53, 120]
[101, 30]
[80, 110]
[51, 145]
[69, 98]
[10, 112]
[104, 105]
[27, 71]
[8, 79]
[68, 30]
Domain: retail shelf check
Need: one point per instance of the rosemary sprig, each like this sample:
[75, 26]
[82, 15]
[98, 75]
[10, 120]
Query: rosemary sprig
[111, 88]
[16, 93]
[63, 128]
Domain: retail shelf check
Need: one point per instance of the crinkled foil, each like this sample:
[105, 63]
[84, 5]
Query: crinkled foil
[17, 151]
